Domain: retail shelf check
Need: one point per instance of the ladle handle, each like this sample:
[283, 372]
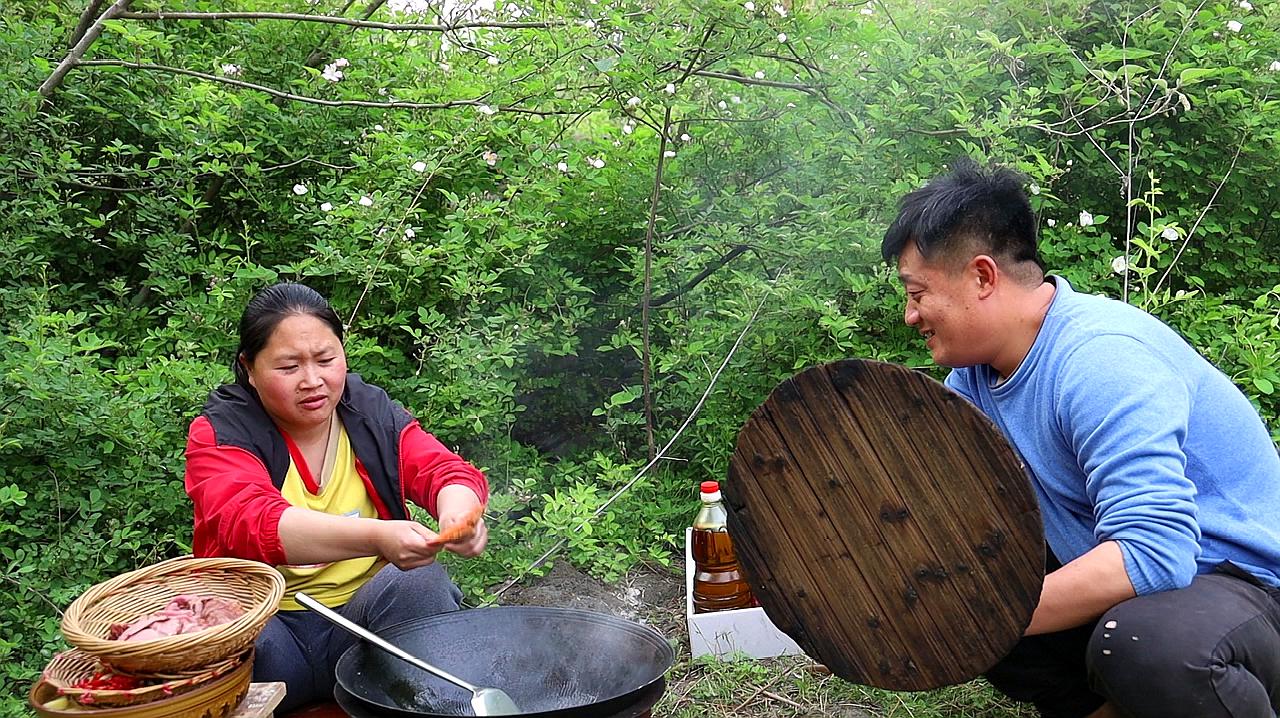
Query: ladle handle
[362, 632]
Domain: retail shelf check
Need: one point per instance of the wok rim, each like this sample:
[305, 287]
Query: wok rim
[662, 663]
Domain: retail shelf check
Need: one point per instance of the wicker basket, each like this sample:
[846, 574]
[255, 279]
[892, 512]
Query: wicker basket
[216, 698]
[130, 596]
[69, 668]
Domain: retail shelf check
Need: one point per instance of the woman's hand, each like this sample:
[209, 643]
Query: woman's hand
[406, 544]
[457, 505]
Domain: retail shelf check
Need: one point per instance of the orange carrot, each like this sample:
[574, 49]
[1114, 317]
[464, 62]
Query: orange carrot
[461, 530]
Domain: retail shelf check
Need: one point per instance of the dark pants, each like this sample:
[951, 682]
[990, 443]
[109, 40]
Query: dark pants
[301, 648]
[1209, 650]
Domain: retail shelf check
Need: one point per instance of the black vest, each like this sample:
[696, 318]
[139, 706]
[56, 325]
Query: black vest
[372, 420]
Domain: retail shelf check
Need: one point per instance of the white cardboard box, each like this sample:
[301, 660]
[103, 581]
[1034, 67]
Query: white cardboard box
[723, 633]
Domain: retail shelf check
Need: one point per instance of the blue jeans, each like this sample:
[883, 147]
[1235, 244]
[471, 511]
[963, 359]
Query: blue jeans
[301, 648]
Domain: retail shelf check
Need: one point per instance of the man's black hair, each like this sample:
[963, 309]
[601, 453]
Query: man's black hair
[970, 206]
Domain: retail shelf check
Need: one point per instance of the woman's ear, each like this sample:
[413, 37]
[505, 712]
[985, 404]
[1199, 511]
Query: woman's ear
[248, 370]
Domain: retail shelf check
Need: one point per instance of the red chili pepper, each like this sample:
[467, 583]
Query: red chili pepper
[104, 681]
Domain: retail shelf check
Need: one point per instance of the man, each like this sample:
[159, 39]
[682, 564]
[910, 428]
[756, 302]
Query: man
[1158, 483]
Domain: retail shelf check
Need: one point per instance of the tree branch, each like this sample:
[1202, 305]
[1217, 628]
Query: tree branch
[371, 24]
[752, 81]
[397, 104]
[91, 12]
[646, 372]
[698, 278]
[72, 59]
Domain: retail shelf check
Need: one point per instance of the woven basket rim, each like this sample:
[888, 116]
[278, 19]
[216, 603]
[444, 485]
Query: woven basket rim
[153, 576]
[133, 696]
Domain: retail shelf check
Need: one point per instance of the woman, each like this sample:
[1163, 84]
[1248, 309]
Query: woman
[302, 465]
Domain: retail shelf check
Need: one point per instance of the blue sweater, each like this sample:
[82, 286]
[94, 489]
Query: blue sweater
[1131, 436]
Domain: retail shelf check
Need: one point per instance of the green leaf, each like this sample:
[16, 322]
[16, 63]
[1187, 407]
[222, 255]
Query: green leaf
[1264, 385]
[1196, 74]
[605, 64]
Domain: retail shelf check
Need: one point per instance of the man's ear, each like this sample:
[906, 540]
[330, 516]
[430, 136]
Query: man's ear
[984, 270]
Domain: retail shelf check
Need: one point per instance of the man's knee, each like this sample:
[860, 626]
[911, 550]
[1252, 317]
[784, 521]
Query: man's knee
[1151, 657]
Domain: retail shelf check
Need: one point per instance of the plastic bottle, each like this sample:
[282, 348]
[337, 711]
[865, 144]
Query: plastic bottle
[718, 583]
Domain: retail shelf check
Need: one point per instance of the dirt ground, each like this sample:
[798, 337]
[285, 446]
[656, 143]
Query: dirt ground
[655, 596]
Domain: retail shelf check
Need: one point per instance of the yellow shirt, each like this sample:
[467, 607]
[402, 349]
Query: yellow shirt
[342, 493]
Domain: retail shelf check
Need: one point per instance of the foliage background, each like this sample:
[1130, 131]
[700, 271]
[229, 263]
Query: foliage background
[498, 293]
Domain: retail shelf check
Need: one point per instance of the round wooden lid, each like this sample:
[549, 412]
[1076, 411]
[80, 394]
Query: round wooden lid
[885, 525]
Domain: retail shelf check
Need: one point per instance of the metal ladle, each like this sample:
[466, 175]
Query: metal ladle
[484, 701]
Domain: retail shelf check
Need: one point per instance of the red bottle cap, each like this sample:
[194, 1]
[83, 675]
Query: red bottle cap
[710, 487]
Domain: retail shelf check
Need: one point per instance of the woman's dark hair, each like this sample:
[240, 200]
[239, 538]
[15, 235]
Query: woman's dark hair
[970, 207]
[267, 309]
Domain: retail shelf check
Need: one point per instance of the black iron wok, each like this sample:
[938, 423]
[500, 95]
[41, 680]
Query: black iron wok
[554, 662]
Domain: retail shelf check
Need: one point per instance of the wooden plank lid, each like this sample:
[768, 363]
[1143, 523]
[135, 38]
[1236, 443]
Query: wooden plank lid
[885, 525]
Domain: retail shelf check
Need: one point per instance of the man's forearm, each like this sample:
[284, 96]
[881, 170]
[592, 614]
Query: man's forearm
[1082, 590]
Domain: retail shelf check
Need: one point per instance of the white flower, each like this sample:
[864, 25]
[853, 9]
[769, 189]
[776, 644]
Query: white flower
[492, 59]
[1070, 162]
[365, 201]
[628, 128]
[419, 166]
[331, 73]
[1086, 219]
[410, 233]
[1120, 265]
[591, 24]
[1234, 26]
[759, 74]
[299, 189]
[670, 89]
[341, 62]
[735, 99]
[490, 157]
[867, 10]
[780, 10]
[749, 6]
[377, 128]
[1051, 222]
[595, 162]
[486, 110]
[722, 105]
[1275, 66]
[562, 166]
[230, 70]
[685, 137]
[1035, 188]
[1246, 5]
[669, 154]
[326, 207]
[782, 37]
[445, 67]
[791, 104]
[633, 102]
[1170, 233]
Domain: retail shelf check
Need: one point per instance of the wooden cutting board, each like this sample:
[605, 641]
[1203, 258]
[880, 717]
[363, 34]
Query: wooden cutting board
[885, 525]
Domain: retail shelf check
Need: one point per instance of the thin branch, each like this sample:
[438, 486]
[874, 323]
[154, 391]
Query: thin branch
[661, 455]
[91, 12]
[752, 81]
[72, 59]
[711, 268]
[371, 24]
[646, 370]
[1203, 213]
[286, 165]
[885, 9]
[395, 104]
